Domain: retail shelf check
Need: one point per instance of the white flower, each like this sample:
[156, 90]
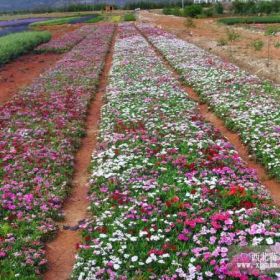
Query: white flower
[208, 273]
[269, 241]
[134, 259]
[149, 260]
[116, 266]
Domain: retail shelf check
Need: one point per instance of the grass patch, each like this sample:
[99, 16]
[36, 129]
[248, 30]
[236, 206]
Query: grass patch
[13, 45]
[58, 21]
[129, 17]
[248, 20]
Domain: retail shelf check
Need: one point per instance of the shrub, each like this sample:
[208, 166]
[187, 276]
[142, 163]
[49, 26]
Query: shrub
[209, 12]
[257, 44]
[192, 10]
[219, 9]
[222, 42]
[277, 45]
[13, 45]
[232, 35]
[129, 17]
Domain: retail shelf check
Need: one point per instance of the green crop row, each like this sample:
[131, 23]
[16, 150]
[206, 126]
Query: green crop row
[240, 20]
[13, 45]
[57, 21]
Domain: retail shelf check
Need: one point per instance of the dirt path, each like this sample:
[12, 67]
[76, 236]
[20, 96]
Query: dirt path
[207, 33]
[272, 185]
[62, 250]
[21, 72]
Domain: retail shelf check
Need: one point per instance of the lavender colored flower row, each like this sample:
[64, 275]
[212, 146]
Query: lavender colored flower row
[40, 131]
[248, 105]
[16, 22]
[170, 196]
[66, 42]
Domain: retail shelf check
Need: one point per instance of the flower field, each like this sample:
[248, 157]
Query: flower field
[169, 195]
[40, 132]
[66, 42]
[247, 104]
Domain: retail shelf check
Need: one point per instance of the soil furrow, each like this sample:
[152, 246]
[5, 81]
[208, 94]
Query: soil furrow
[61, 251]
[271, 184]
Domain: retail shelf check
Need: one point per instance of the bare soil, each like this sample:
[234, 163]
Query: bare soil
[21, 72]
[61, 251]
[272, 185]
[207, 33]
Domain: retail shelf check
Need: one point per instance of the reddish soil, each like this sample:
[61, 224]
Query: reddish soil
[22, 71]
[62, 250]
[272, 185]
[59, 30]
[206, 33]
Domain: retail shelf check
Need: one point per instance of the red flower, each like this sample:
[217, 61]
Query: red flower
[237, 190]
[247, 204]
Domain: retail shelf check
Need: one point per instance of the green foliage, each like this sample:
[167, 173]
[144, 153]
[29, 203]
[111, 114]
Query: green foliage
[247, 20]
[222, 42]
[192, 10]
[57, 21]
[96, 19]
[209, 12]
[129, 17]
[254, 7]
[257, 44]
[272, 30]
[13, 45]
[277, 45]
[232, 35]
[146, 5]
[176, 11]
[219, 9]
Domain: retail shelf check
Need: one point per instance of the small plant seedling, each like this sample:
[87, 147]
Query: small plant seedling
[257, 44]
[189, 23]
[222, 42]
[232, 35]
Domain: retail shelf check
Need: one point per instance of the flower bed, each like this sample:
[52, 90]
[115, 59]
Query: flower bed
[248, 105]
[66, 42]
[40, 132]
[169, 194]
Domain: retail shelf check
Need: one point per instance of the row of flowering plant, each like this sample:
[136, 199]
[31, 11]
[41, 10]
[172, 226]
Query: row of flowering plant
[40, 132]
[248, 105]
[66, 42]
[169, 195]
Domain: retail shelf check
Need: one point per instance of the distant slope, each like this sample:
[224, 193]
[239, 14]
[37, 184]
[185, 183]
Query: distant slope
[16, 5]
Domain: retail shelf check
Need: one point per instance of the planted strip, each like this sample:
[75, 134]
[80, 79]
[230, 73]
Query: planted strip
[249, 20]
[248, 105]
[66, 42]
[40, 132]
[169, 195]
[56, 21]
[14, 45]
